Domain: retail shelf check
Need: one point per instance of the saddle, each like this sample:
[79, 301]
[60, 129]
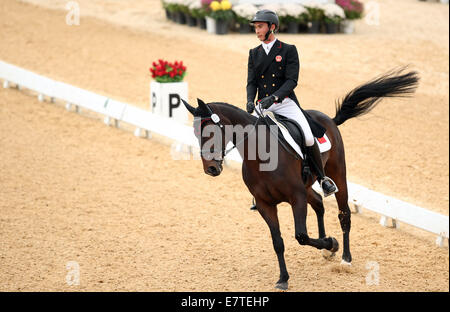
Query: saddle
[294, 130]
[292, 134]
[295, 139]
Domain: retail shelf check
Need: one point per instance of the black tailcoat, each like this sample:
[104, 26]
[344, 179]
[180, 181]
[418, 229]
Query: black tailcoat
[277, 74]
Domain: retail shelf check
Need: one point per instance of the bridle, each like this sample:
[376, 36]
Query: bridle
[216, 120]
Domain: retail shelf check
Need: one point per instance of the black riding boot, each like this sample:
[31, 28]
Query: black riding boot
[325, 182]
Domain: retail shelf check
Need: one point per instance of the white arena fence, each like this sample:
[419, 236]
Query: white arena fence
[391, 209]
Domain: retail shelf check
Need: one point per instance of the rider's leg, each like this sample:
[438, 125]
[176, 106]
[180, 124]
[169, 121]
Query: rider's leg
[326, 183]
[290, 110]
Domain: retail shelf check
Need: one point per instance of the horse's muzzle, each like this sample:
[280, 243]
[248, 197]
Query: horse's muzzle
[214, 170]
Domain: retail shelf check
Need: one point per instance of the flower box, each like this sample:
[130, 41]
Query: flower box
[222, 27]
[347, 26]
[332, 28]
[165, 100]
[168, 89]
[210, 25]
[314, 27]
[201, 22]
[292, 27]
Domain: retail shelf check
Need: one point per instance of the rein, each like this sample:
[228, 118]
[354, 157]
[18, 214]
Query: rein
[278, 138]
[216, 119]
[243, 139]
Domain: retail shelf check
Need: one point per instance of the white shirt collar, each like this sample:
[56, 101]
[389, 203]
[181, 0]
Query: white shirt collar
[268, 46]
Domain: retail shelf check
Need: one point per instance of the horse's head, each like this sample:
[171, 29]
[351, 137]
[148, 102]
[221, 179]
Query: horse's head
[210, 133]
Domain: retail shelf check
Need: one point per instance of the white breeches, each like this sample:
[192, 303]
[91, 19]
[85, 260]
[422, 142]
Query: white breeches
[289, 109]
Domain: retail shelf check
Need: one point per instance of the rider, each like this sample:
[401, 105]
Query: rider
[273, 69]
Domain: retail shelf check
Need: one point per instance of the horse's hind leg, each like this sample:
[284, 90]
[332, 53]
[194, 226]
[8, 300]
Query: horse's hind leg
[269, 214]
[338, 174]
[345, 220]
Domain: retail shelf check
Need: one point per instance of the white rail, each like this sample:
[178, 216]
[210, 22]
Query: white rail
[389, 208]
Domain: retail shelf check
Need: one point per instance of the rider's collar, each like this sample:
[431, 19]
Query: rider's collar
[268, 46]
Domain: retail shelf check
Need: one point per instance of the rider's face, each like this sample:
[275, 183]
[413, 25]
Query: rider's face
[261, 29]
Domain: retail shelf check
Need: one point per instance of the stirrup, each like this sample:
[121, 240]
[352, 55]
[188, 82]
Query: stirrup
[332, 182]
[253, 207]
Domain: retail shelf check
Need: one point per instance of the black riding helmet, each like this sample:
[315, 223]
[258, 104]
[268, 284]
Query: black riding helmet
[268, 17]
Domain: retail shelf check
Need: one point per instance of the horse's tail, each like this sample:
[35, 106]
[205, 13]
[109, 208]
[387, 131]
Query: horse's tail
[364, 98]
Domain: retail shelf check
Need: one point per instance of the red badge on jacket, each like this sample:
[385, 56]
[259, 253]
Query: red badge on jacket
[278, 58]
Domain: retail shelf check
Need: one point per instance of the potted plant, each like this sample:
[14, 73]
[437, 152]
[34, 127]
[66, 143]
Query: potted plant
[353, 10]
[198, 12]
[315, 12]
[184, 12]
[275, 7]
[244, 13]
[176, 9]
[171, 9]
[168, 88]
[291, 14]
[165, 4]
[210, 22]
[303, 20]
[333, 15]
[222, 14]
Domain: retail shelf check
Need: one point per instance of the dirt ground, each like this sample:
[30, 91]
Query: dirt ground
[72, 189]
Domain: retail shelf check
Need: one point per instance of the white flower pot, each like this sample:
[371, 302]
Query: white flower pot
[210, 25]
[347, 26]
[165, 100]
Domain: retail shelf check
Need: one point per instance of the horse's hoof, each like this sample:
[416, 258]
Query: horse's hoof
[327, 254]
[282, 286]
[345, 263]
[335, 245]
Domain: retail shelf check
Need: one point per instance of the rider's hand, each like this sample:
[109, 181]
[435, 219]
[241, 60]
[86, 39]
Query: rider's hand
[267, 101]
[250, 107]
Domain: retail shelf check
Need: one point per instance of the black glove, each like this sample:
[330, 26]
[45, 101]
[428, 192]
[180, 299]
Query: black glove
[250, 107]
[267, 101]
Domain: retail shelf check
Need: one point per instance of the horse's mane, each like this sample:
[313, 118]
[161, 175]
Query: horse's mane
[227, 105]
[235, 108]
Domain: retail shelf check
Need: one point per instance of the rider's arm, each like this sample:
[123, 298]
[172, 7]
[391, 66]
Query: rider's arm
[291, 73]
[251, 79]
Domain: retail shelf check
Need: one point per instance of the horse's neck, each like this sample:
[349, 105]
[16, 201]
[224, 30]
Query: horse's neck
[232, 115]
[236, 117]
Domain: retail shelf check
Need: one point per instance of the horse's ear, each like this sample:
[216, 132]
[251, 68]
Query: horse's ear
[188, 107]
[204, 108]
[202, 105]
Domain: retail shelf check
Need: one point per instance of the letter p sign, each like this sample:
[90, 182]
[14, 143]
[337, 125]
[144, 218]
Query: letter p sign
[174, 102]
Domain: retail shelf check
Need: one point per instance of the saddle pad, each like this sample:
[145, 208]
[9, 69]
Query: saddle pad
[324, 143]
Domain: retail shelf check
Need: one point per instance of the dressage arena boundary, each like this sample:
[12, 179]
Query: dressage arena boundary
[392, 210]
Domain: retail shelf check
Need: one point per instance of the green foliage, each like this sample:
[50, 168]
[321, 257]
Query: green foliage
[226, 15]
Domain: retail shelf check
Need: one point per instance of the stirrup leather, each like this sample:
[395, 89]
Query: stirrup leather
[332, 182]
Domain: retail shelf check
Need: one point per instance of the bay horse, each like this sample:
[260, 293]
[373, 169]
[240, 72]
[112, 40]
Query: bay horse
[285, 183]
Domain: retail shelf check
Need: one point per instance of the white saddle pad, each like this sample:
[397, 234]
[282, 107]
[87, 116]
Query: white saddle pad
[324, 143]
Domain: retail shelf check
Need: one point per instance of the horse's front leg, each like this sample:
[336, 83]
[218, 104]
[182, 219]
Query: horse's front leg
[299, 208]
[269, 214]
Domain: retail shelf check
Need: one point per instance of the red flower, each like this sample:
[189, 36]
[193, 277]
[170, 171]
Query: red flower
[165, 71]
